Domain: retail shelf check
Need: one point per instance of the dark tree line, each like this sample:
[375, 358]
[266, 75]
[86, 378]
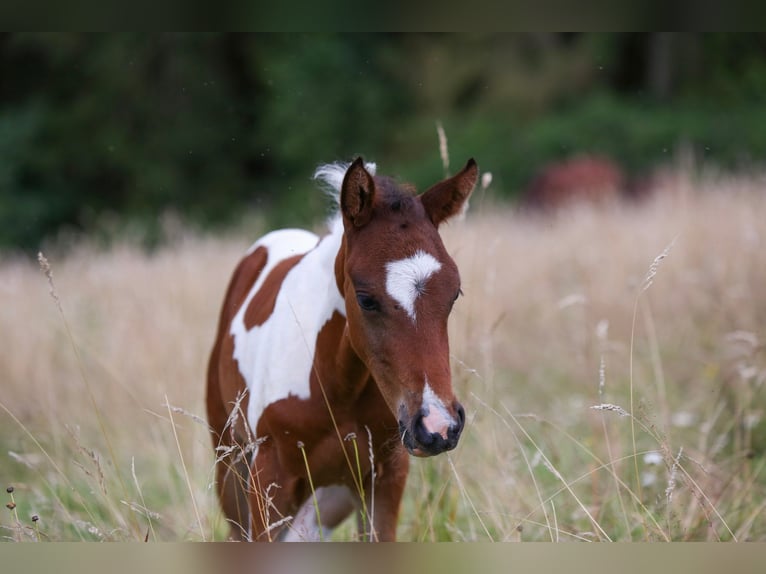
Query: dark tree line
[125, 127]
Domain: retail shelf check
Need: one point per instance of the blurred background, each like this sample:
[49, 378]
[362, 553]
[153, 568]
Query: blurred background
[106, 133]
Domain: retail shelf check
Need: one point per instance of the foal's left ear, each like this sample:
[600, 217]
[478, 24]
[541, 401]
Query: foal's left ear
[357, 193]
[447, 198]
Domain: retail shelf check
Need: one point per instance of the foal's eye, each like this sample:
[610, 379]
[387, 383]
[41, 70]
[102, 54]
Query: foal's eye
[367, 302]
[455, 298]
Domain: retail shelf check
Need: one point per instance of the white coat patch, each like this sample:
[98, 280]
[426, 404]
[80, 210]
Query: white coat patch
[276, 358]
[406, 279]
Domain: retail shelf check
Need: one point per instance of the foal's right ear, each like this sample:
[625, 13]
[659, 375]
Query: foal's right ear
[357, 194]
[447, 198]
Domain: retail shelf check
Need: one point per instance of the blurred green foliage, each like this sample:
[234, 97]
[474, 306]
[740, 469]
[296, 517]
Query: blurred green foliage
[123, 128]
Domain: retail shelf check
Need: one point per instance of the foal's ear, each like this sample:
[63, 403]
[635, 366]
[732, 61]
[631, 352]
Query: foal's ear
[356, 194]
[448, 197]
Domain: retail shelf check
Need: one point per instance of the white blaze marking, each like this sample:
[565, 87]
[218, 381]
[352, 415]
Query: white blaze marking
[276, 358]
[406, 278]
[438, 419]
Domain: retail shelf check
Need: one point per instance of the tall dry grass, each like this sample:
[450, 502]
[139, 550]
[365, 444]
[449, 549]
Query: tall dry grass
[100, 397]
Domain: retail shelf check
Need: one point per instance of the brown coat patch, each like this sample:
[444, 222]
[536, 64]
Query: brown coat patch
[225, 382]
[225, 387]
[262, 304]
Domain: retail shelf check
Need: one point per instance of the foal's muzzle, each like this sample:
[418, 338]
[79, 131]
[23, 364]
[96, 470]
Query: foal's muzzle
[419, 440]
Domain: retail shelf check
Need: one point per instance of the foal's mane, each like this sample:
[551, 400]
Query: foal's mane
[330, 177]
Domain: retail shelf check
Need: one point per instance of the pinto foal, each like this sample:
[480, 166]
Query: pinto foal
[331, 362]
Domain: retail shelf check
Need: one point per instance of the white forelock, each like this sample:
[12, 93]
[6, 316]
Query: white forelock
[332, 174]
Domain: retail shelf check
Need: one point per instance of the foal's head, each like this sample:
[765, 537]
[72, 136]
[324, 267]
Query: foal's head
[399, 285]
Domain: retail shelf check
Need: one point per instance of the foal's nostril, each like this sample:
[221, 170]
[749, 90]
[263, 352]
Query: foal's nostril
[422, 435]
[460, 415]
[454, 432]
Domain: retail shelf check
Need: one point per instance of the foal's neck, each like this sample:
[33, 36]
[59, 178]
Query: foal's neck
[350, 374]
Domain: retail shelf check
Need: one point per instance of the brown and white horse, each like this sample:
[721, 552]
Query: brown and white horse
[331, 361]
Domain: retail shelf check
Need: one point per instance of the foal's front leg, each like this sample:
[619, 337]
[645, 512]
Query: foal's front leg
[283, 509]
[273, 495]
[383, 509]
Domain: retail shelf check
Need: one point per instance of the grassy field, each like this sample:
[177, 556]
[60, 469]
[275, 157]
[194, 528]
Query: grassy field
[654, 314]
